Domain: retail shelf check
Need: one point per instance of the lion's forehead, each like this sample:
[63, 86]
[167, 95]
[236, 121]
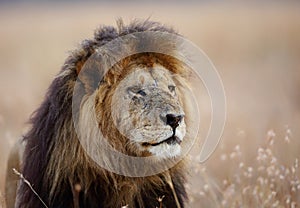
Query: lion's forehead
[155, 76]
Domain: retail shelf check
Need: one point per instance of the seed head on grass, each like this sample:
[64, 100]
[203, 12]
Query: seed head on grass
[29, 185]
[160, 200]
[264, 181]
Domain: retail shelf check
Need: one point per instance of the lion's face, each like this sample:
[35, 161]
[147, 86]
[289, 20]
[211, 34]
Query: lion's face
[147, 110]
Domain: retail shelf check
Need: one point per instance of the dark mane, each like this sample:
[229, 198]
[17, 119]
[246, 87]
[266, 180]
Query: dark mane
[52, 138]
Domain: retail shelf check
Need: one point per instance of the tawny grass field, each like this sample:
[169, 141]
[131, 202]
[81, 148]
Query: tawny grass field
[255, 48]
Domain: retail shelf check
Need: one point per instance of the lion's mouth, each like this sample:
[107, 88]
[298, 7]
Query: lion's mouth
[170, 141]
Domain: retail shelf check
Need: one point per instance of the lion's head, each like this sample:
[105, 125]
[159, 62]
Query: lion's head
[139, 107]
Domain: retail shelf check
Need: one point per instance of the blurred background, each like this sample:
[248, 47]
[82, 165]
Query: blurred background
[254, 46]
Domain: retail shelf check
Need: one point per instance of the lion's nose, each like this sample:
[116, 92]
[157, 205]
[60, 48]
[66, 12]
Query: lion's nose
[173, 120]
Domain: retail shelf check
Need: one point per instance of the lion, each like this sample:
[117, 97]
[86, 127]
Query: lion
[138, 108]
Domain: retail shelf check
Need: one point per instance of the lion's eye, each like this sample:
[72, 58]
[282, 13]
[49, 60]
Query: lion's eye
[141, 92]
[171, 88]
[135, 91]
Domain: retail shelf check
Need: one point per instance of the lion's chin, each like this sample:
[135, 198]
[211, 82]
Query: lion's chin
[165, 150]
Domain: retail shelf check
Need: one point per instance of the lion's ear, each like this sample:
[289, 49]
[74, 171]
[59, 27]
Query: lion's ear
[90, 75]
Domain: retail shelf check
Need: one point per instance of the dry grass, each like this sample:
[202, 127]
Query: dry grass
[2, 200]
[265, 182]
[256, 49]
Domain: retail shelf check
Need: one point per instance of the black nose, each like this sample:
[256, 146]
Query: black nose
[173, 120]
